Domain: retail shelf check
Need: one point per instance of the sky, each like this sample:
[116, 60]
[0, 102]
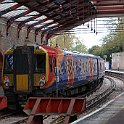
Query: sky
[88, 37]
[91, 39]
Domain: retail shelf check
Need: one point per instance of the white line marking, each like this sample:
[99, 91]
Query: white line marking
[75, 122]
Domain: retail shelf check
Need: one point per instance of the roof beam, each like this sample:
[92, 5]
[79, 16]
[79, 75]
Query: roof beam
[1, 1]
[65, 14]
[38, 29]
[53, 23]
[110, 8]
[110, 12]
[10, 9]
[11, 20]
[21, 24]
[109, 4]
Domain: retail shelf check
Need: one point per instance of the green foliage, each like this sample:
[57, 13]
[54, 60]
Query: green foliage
[79, 47]
[64, 41]
[112, 43]
[69, 42]
[95, 50]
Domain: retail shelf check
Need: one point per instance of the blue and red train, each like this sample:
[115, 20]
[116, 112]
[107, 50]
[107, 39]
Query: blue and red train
[34, 70]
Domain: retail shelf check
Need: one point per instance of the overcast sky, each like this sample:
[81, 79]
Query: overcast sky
[91, 39]
[87, 37]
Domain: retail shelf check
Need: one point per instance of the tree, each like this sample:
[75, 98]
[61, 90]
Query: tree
[63, 41]
[79, 47]
[95, 50]
[113, 42]
[69, 42]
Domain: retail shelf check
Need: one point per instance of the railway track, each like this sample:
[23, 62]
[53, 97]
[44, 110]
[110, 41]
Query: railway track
[11, 117]
[7, 113]
[101, 96]
[21, 121]
[58, 120]
[90, 102]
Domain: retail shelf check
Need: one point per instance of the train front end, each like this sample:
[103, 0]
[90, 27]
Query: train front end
[24, 71]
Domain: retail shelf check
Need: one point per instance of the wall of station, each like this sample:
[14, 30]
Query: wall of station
[118, 61]
[7, 42]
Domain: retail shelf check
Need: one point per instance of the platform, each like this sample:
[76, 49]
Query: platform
[110, 113]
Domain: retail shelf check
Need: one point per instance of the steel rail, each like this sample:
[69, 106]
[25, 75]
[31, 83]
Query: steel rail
[102, 95]
[92, 102]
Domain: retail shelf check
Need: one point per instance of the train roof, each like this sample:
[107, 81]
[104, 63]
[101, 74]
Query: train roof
[76, 53]
[66, 52]
[57, 50]
[50, 49]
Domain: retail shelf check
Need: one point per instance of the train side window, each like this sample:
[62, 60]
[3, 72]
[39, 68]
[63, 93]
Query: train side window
[100, 66]
[86, 67]
[94, 66]
[103, 66]
[83, 66]
[41, 63]
[54, 62]
[50, 63]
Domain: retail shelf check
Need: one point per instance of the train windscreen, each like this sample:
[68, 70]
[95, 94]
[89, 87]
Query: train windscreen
[40, 64]
[8, 63]
[21, 64]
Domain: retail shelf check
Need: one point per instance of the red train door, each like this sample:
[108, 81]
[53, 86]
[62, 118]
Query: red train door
[52, 64]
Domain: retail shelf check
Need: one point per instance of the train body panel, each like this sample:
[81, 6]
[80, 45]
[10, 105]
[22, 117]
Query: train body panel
[43, 70]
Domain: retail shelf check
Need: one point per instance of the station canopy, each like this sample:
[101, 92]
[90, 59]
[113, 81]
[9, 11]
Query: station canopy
[56, 16]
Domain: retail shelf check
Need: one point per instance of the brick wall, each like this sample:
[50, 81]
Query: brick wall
[7, 41]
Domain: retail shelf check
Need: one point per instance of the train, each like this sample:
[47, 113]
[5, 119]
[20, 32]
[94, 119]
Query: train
[40, 70]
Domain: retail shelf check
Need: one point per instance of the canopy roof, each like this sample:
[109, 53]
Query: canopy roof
[53, 16]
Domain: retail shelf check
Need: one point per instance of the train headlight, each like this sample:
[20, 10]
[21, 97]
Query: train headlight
[6, 82]
[42, 81]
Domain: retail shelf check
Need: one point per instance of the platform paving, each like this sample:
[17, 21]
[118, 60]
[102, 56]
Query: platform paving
[110, 113]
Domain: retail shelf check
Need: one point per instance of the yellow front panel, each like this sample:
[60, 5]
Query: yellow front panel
[37, 79]
[21, 82]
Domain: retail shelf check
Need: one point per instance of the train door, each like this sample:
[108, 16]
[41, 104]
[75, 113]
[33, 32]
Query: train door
[52, 65]
[23, 69]
[70, 71]
[97, 68]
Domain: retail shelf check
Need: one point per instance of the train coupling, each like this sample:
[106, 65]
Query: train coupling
[22, 100]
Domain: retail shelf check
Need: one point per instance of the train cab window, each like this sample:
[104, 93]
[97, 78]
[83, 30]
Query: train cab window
[41, 63]
[8, 65]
